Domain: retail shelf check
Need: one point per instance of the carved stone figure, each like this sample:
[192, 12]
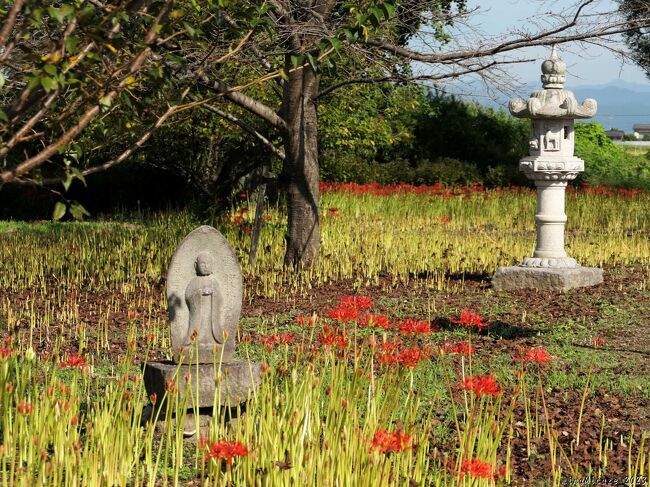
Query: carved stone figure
[204, 296]
[204, 302]
[204, 299]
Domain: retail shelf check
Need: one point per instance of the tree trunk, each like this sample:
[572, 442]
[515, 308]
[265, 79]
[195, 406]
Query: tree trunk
[300, 171]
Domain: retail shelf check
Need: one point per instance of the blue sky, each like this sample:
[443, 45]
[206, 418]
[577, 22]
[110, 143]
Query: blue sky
[594, 65]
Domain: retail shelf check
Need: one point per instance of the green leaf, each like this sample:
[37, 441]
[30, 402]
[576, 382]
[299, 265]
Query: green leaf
[77, 211]
[77, 173]
[311, 61]
[296, 61]
[3, 116]
[389, 9]
[48, 83]
[67, 182]
[2, 80]
[59, 210]
[50, 69]
[105, 101]
[70, 43]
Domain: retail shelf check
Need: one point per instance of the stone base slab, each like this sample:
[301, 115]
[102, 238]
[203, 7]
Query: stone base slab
[236, 381]
[545, 278]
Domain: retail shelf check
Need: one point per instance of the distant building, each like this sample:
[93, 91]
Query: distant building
[642, 129]
[615, 134]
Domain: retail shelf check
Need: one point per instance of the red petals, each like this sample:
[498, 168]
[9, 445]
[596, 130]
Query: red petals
[390, 441]
[73, 360]
[331, 337]
[271, 340]
[227, 450]
[535, 355]
[469, 319]
[477, 469]
[411, 327]
[481, 385]
[378, 320]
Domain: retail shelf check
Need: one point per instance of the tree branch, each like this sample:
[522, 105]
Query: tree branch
[423, 77]
[247, 128]
[134, 66]
[10, 21]
[248, 103]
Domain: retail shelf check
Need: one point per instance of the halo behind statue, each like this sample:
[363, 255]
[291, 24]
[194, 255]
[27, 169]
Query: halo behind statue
[182, 271]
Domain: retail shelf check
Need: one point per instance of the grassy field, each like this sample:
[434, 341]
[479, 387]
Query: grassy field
[392, 362]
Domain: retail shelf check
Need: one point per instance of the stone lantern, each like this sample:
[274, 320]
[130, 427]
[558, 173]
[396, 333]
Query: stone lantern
[551, 164]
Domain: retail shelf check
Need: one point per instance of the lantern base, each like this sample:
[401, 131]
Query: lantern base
[545, 278]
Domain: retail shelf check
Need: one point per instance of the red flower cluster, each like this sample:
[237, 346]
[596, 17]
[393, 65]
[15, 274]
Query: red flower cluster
[333, 212]
[469, 319]
[343, 314]
[356, 302]
[236, 218]
[461, 348]
[271, 340]
[390, 441]
[307, 320]
[388, 190]
[349, 308]
[535, 355]
[5, 350]
[481, 385]
[227, 450]
[372, 319]
[331, 337]
[390, 354]
[605, 190]
[411, 327]
[480, 470]
[73, 360]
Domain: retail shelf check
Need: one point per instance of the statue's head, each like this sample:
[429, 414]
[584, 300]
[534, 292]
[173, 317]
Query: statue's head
[204, 264]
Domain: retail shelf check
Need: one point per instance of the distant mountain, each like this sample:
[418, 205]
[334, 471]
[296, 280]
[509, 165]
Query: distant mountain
[621, 104]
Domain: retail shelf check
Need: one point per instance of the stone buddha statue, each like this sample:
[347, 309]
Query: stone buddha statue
[204, 302]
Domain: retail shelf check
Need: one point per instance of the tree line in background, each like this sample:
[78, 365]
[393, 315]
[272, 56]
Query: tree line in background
[215, 91]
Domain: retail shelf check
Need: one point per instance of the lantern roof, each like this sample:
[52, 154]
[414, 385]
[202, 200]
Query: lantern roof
[553, 101]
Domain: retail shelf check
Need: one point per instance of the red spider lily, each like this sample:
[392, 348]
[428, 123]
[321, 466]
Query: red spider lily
[469, 319]
[227, 450]
[357, 302]
[330, 337]
[271, 340]
[444, 219]
[132, 314]
[481, 385]
[246, 228]
[381, 321]
[535, 355]
[243, 195]
[477, 468]
[24, 407]
[410, 357]
[73, 360]
[411, 326]
[461, 348]
[390, 441]
[333, 212]
[307, 321]
[5, 352]
[344, 314]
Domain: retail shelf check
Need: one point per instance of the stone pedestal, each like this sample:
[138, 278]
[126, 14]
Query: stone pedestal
[204, 386]
[551, 164]
[545, 278]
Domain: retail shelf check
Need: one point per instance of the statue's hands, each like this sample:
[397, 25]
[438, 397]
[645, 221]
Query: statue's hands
[207, 291]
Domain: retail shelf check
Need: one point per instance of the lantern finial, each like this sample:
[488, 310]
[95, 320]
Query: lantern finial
[553, 72]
